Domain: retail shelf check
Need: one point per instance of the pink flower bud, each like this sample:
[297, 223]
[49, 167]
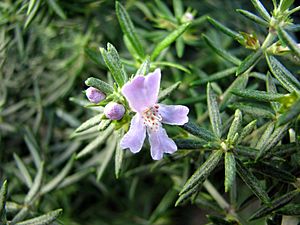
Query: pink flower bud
[114, 111]
[94, 95]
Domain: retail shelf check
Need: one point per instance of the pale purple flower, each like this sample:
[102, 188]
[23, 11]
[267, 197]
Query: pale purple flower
[94, 95]
[114, 111]
[142, 94]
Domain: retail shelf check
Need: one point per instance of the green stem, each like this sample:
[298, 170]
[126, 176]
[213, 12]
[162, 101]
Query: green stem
[268, 41]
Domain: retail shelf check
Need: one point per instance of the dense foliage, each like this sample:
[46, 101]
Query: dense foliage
[234, 64]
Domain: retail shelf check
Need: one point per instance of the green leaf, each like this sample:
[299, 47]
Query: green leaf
[114, 64]
[238, 83]
[128, 28]
[261, 10]
[37, 183]
[23, 170]
[265, 137]
[178, 8]
[186, 195]
[168, 40]
[30, 6]
[3, 194]
[144, 68]
[235, 125]
[221, 52]
[57, 9]
[289, 41]
[109, 150]
[275, 204]
[224, 29]
[194, 144]
[291, 114]
[256, 110]
[271, 88]
[289, 209]
[276, 136]
[95, 56]
[253, 17]
[51, 185]
[100, 85]
[249, 62]
[257, 95]
[168, 91]
[33, 147]
[247, 130]
[230, 170]
[285, 4]
[119, 155]
[274, 172]
[287, 80]
[202, 172]
[173, 65]
[200, 132]
[45, 219]
[252, 182]
[32, 13]
[215, 76]
[89, 123]
[214, 113]
[180, 47]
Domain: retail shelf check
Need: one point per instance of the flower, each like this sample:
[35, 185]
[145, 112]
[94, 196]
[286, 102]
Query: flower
[142, 95]
[94, 95]
[114, 111]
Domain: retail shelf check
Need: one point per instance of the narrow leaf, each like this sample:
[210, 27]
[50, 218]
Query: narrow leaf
[275, 204]
[99, 84]
[221, 52]
[271, 88]
[95, 143]
[235, 125]
[200, 132]
[144, 68]
[193, 144]
[128, 28]
[289, 41]
[230, 170]
[290, 210]
[33, 147]
[202, 172]
[57, 9]
[215, 76]
[247, 130]
[168, 40]
[257, 95]
[168, 91]
[253, 17]
[214, 113]
[37, 183]
[252, 182]
[114, 64]
[291, 114]
[3, 194]
[59, 177]
[264, 138]
[261, 9]
[224, 29]
[32, 13]
[249, 62]
[119, 155]
[45, 219]
[110, 149]
[256, 110]
[23, 170]
[287, 80]
[89, 123]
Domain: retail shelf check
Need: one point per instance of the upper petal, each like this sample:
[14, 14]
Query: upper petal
[135, 137]
[142, 91]
[173, 114]
[160, 143]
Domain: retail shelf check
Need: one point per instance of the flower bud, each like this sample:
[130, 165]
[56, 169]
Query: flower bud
[94, 95]
[187, 17]
[114, 111]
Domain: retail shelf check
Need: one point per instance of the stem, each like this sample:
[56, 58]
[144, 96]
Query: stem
[268, 41]
[216, 195]
[289, 220]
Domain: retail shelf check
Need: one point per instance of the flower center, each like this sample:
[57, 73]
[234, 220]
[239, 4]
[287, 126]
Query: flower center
[152, 118]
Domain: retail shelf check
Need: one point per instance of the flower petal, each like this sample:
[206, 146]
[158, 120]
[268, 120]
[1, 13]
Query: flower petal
[135, 137]
[173, 114]
[160, 143]
[142, 92]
